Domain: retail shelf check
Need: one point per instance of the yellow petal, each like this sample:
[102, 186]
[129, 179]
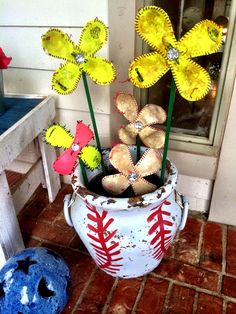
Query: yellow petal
[58, 44]
[147, 69]
[100, 70]
[149, 163]
[152, 114]
[153, 138]
[142, 186]
[154, 26]
[204, 38]
[66, 78]
[115, 184]
[120, 158]
[90, 156]
[128, 134]
[56, 135]
[93, 37]
[192, 81]
[127, 106]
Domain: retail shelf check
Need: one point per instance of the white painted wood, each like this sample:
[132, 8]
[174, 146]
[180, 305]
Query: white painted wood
[19, 166]
[30, 154]
[194, 165]
[51, 12]
[10, 236]
[17, 137]
[69, 118]
[26, 188]
[38, 82]
[224, 196]
[52, 178]
[121, 15]
[26, 48]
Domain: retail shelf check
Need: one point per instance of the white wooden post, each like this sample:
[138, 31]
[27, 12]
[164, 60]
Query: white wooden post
[10, 235]
[52, 179]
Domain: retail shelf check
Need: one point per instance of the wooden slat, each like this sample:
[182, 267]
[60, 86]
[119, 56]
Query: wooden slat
[51, 12]
[10, 236]
[27, 186]
[21, 81]
[16, 138]
[26, 49]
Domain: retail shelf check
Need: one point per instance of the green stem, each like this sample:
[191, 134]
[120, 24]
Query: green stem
[138, 146]
[168, 126]
[93, 119]
[83, 171]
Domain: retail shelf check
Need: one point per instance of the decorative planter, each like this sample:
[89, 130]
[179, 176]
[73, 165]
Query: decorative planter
[127, 237]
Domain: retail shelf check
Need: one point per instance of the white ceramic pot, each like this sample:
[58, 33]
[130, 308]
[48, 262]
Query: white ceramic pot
[127, 237]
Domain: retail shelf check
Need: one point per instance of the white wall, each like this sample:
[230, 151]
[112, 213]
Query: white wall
[22, 24]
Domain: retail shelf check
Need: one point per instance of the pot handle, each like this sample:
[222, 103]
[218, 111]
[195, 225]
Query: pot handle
[183, 202]
[68, 201]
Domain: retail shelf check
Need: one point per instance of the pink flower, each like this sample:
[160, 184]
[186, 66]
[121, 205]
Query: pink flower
[4, 60]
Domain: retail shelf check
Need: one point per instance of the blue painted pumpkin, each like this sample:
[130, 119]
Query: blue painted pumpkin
[34, 281]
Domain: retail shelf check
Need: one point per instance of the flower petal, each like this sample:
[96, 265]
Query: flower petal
[153, 138]
[90, 156]
[147, 69]
[100, 70]
[115, 184]
[154, 26]
[152, 114]
[66, 78]
[127, 106]
[204, 38]
[120, 158]
[93, 37]
[149, 163]
[142, 186]
[58, 44]
[192, 81]
[58, 136]
[128, 134]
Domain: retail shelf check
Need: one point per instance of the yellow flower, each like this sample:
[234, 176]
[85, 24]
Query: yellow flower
[154, 27]
[79, 57]
[140, 122]
[130, 174]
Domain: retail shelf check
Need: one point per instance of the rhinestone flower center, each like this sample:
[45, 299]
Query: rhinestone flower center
[75, 147]
[138, 125]
[133, 176]
[172, 54]
[79, 58]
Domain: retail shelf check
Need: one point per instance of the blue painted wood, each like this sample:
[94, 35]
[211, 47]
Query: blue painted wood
[15, 109]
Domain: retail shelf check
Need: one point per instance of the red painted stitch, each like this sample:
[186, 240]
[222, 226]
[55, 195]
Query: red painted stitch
[162, 237]
[106, 254]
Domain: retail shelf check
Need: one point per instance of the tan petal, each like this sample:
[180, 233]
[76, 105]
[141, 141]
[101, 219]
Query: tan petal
[128, 134]
[152, 114]
[153, 138]
[115, 184]
[149, 163]
[127, 105]
[120, 158]
[142, 186]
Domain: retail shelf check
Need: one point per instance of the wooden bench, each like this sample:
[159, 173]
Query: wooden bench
[12, 142]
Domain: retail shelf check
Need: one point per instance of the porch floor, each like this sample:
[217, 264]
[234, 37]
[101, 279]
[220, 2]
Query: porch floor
[198, 274]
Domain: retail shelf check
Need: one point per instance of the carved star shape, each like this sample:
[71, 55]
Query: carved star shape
[25, 264]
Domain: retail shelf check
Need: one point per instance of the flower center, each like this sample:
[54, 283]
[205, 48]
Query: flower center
[172, 54]
[75, 147]
[79, 58]
[132, 176]
[138, 125]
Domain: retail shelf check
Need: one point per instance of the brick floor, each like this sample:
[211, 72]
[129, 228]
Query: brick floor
[198, 275]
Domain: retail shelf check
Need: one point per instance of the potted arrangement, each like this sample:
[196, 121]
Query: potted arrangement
[125, 207]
